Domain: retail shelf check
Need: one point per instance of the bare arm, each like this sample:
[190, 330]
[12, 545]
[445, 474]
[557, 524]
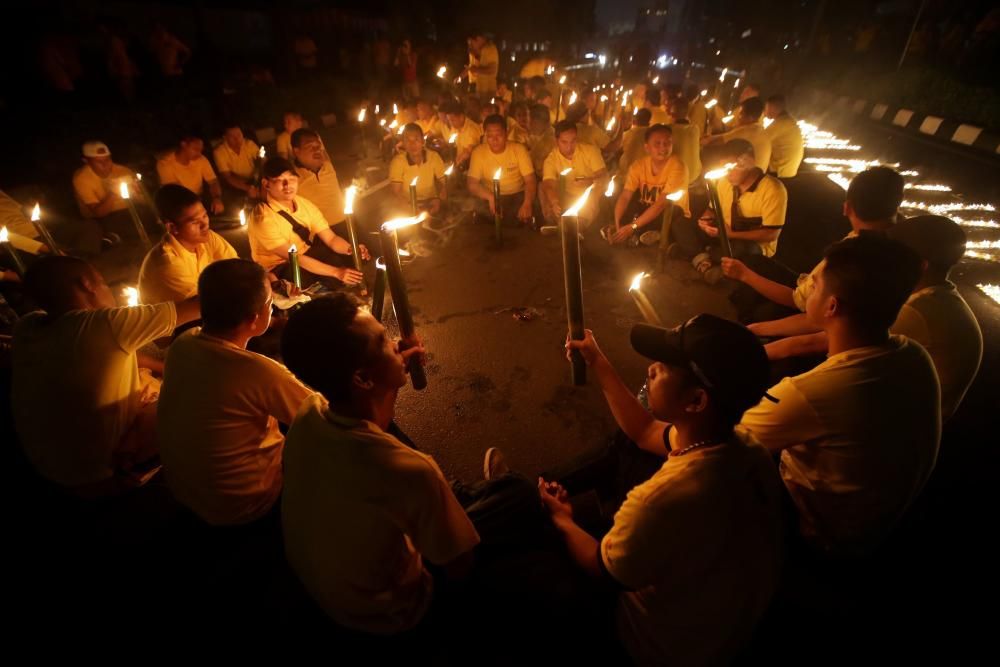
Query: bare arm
[762, 235]
[188, 310]
[793, 325]
[235, 181]
[623, 200]
[797, 346]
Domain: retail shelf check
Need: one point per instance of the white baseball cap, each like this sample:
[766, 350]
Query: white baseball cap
[96, 149]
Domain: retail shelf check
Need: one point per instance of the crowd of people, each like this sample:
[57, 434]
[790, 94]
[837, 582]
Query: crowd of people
[872, 351]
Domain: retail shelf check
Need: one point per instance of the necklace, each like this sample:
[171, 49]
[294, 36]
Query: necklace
[703, 443]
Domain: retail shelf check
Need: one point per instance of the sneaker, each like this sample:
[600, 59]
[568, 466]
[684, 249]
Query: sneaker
[649, 238]
[494, 464]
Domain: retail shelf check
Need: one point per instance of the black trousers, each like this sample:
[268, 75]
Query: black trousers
[693, 242]
[321, 252]
[509, 206]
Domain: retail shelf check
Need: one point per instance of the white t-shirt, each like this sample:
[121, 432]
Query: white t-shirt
[699, 545]
[360, 512]
[77, 389]
[217, 427]
[859, 436]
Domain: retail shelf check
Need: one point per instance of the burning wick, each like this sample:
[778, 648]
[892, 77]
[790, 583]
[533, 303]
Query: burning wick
[131, 295]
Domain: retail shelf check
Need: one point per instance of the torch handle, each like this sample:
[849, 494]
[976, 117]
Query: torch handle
[720, 220]
[352, 236]
[573, 278]
[401, 302]
[498, 212]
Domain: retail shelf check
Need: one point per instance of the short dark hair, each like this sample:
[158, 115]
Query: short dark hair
[642, 117]
[537, 80]
[302, 135]
[876, 193]
[576, 111]
[680, 108]
[564, 126]
[542, 93]
[453, 106]
[653, 96]
[539, 112]
[230, 123]
[494, 119]
[413, 127]
[325, 324]
[173, 199]
[49, 276]
[938, 240]
[777, 100]
[656, 129]
[872, 277]
[276, 166]
[752, 107]
[231, 291]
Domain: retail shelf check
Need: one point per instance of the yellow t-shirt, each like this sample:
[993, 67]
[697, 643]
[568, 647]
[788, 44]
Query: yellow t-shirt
[270, 233]
[592, 134]
[720, 505]
[515, 132]
[586, 163]
[469, 135]
[427, 173]
[755, 134]
[488, 55]
[687, 146]
[347, 482]
[237, 163]
[323, 189]
[22, 233]
[766, 199]
[90, 189]
[651, 186]
[77, 389]
[431, 126]
[283, 146]
[217, 427]
[193, 175]
[659, 116]
[170, 271]
[539, 146]
[859, 437]
[536, 67]
[787, 146]
[941, 321]
[514, 163]
[633, 147]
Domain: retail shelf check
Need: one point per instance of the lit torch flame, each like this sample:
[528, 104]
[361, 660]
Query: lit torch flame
[404, 253]
[704, 93]
[123, 190]
[565, 172]
[361, 115]
[610, 191]
[637, 282]
[4, 236]
[400, 130]
[400, 223]
[728, 119]
[453, 138]
[377, 109]
[349, 200]
[574, 210]
[449, 170]
[767, 122]
[36, 213]
[131, 295]
[676, 196]
[572, 98]
[736, 84]
[716, 174]
[395, 109]
[656, 80]
[394, 124]
[379, 264]
[611, 124]
[840, 180]
[262, 153]
[722, 77]
[441, 71]
[413, 183]
[711, 103]
[243, 218]
[382, 122]
[497, 173]
[562, 79]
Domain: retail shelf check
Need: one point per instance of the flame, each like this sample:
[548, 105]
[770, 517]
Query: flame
[361, 115]
[635, 111]
[349, 200]
[243, 218]
[441, 71]
[722, 77]
[493, 100]
[395, 109]
[377, 107]
[736, 84]
[572, 98]
[36, 213]
[704, 93]
[4, 236]
[711, 103]
[498, 173]
[562, 79]
[123, 190]
[574, 210]
[449, 170]
[610, 191]
[992, 291]
[656, 80]
[138, 176]
[604, 98]
[413, 183]
[930, 187]
[382, 122]
[767, 122]
[262, 153]
[394, 124]
[676, 196]
[637, 282]
[716, 174]
[726, 120]
[131, 295]
[611, 124]
[400, 223]
[292, 248]
[453, 138]
[624, 101]
[400, 130]
[565, 172]
[379, 264]
[840, 180]
[404, 253]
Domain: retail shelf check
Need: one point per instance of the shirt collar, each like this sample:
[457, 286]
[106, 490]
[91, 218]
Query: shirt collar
[756, 182]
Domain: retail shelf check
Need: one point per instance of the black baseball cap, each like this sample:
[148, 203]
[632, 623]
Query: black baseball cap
[725, 356]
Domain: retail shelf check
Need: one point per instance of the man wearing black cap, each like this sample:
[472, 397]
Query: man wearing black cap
[695, 549]
[753, 210]
[936, 315]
